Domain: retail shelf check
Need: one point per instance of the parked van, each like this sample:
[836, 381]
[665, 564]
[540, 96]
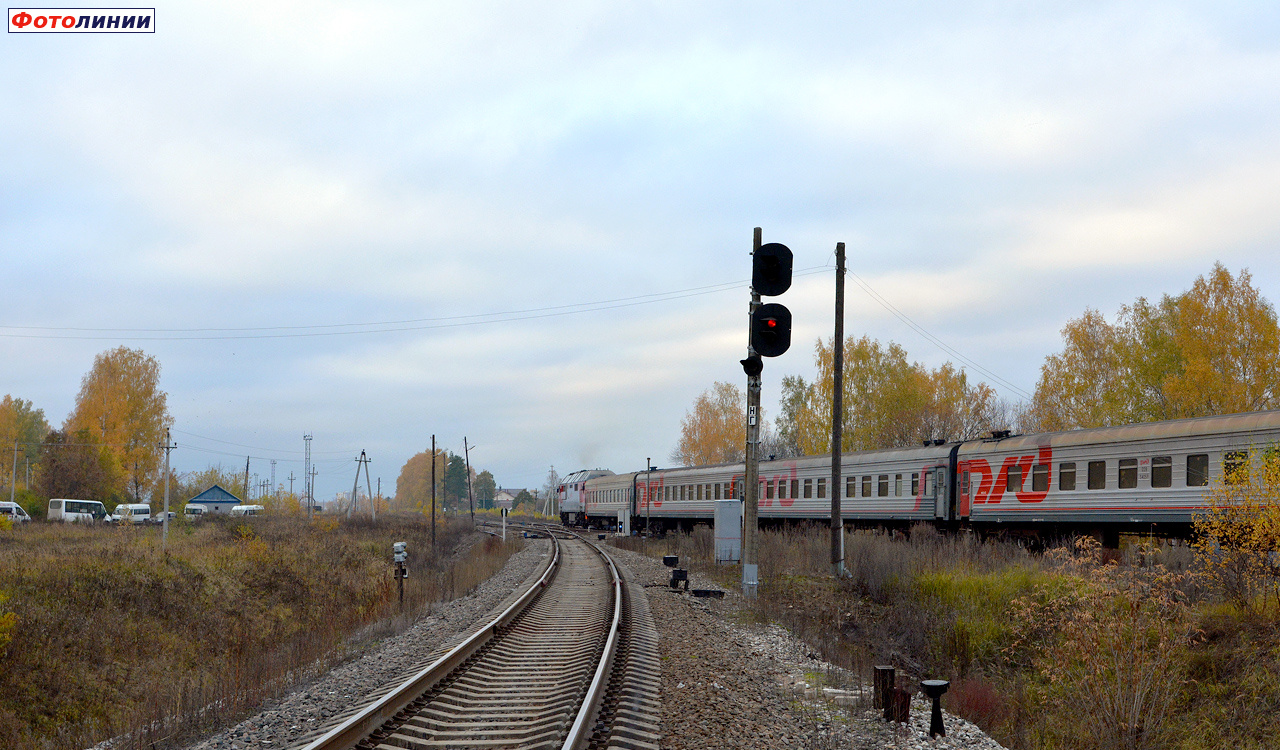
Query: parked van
[247, 510]
[76, 511]
[14, 512]
[132, 513]
[158, 517]
[194, 511]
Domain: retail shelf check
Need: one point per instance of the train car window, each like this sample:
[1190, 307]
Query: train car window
[851, 487]
[795, 488]
[782, 489]
[964, 484]
[883, 485]
[928, 484]
[768, 489]
[1128, 476]
[915, 483]
[808, 488]
[1198, 470]
[1067, 476]
[1097, 475]
[866, 486]
[1235, 466]
[822, 488]
[1013, 479]
[697, 492]
[1040, 478]
[760, 494]
[1162, 471]
[717, 486]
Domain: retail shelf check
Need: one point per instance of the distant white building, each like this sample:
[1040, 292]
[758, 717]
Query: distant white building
[506, 498]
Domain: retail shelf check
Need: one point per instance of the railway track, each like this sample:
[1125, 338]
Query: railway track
[572, 663]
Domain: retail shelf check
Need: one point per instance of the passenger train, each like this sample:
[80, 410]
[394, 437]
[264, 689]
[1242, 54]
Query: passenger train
[1149, 478]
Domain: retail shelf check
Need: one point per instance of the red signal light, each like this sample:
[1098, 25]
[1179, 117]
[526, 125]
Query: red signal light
[771, 323]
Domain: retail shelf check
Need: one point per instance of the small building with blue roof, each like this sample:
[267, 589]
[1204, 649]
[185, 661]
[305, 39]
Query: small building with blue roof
[216, 499]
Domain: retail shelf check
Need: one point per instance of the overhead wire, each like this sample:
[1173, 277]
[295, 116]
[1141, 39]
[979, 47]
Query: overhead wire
[414, 324]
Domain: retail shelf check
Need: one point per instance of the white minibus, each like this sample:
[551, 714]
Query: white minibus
[247, 510]
[76, 511]
[132, 513]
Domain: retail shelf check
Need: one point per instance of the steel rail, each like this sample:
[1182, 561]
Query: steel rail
[581, 730]
[368, 720]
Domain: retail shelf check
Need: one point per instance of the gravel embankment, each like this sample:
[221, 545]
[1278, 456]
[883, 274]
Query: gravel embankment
[728, 685]
[302, 714]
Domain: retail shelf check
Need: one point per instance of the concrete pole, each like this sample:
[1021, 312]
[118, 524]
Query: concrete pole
[164, 533]
[837, 415]
[471, 502]
[433, 493]
[648, 496]
[13, 474]
[750, 495]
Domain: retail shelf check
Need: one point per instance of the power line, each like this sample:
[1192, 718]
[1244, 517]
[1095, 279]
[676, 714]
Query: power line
[417, 324]
[934, 339]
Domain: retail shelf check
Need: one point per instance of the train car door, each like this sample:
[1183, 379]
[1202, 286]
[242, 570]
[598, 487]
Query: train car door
[942, 501]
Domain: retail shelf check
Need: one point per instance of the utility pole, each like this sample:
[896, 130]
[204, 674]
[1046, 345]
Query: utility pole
[306, 474]
[471, 503]
[274, 491]
[246, 479]
[433, 493]
[164, 533]
[314, 471]
[291, 483]
[837, 416]
[13, 474]
[362, 461]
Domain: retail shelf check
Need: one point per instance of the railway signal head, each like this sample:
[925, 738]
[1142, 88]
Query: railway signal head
[770, 330]
[400, 550]
[771, 269]
[752, 365]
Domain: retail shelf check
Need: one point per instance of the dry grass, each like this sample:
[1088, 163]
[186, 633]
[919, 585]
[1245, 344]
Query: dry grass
[114, 637]
[1080, 648]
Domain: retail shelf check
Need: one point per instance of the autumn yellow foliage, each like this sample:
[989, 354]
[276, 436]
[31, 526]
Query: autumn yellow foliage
[1238, 538]
[121, 405]
[1214, 349]
[714, 430]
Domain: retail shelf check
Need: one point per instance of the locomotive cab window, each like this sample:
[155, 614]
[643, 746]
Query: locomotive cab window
[1235, 466]
[1162, 471]
[1198, 470]
[1128, 473]
[1040, 478]
[1097, 475]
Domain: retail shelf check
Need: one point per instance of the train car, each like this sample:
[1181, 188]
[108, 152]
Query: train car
[572, 495]
[1143, 477]
[610, 500]
[880, 486]
[1150, 476]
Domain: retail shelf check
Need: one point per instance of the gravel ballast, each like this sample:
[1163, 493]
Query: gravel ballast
[303, 714]
[729, 685]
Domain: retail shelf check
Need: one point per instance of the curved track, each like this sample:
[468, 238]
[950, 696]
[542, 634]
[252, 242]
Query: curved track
[540, 675]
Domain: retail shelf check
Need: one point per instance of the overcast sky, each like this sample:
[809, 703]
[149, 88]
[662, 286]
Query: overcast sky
[287, 173]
